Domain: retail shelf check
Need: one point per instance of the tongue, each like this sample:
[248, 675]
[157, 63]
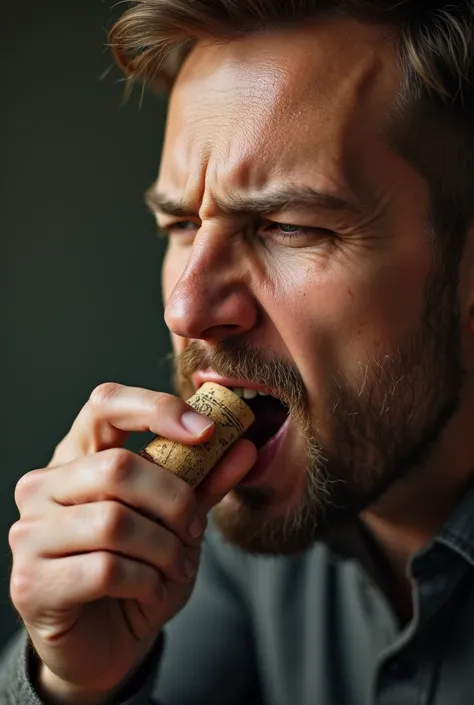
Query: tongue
[270, 415]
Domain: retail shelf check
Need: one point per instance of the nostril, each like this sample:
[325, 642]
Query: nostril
[209, 305]
[232, 327]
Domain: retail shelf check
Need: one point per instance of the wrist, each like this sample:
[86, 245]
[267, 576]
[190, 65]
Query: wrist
[54, 691]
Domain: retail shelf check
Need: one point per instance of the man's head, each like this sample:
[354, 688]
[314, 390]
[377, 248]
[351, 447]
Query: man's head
[317, 188]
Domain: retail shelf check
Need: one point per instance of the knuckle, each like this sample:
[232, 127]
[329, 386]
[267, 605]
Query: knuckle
[19, 531]
[105, 571]
[22, 587]
[27, 486]
[181, 502]
[102, 393]
[161, 403]
[114, 523]
[117, 464]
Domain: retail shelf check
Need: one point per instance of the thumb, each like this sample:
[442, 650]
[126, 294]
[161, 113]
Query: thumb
[233, 467]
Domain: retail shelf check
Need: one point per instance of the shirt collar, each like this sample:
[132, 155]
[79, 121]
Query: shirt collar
[354, 541]
[458, 532]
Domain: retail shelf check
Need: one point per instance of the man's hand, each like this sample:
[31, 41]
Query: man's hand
[107, 546]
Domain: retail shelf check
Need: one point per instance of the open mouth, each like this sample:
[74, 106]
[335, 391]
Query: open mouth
[270, 415]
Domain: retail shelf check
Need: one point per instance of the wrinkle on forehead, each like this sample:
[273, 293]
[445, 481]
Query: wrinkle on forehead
[260, 107]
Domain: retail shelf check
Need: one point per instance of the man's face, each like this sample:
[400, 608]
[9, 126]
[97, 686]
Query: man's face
[303, 262]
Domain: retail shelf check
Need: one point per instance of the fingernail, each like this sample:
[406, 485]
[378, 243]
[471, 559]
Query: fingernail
[196, 527]
[195, 423]
[189, 567]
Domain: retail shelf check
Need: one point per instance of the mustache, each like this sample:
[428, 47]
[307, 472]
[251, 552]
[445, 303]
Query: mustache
[237, 359]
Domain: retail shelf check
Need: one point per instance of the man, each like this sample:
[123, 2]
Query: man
[316, 191]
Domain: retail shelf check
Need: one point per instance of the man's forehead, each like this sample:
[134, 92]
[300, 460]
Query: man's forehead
[266, 104]
[318, 52]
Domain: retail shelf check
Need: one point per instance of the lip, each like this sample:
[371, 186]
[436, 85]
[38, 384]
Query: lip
[266, 456]
[199, 378]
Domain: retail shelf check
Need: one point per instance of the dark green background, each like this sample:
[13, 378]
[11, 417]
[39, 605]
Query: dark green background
[81, 267]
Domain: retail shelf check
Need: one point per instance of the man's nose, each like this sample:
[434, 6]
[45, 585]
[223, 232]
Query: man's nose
[212, 300]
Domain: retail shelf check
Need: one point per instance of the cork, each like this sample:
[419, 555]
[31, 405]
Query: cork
[232, 417]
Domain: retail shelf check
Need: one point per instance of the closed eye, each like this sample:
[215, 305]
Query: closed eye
[180, 226]
[281, 231]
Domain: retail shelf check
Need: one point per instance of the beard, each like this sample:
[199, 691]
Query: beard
[383, 427]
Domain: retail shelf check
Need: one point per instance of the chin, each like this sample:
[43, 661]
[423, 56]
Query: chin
[280, 507]
[269, 521]
[254, 521]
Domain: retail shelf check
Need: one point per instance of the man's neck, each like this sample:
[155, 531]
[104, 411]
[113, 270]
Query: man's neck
[406, 519]
[395, 547]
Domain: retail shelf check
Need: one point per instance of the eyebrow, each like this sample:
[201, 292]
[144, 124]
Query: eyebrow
[263, 203]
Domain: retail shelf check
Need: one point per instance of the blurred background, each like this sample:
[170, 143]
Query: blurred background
[81, 263]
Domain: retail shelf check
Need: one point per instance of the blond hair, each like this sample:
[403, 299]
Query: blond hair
[436, 52]
[152, 37]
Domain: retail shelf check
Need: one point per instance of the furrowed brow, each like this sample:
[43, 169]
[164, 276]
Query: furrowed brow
[159, 203]
[277, 200]
[261, 203]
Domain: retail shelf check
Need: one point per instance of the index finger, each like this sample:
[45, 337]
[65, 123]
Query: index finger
[113, 411]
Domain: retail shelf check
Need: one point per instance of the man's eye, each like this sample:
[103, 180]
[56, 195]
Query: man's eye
[180, 226]
[287, 228]
[183, 231]
[289, 231]
[284, 230]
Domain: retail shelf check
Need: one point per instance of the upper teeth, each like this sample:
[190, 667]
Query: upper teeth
[245, 393]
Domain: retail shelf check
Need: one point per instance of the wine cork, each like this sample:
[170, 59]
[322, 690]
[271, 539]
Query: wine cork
[232, 417]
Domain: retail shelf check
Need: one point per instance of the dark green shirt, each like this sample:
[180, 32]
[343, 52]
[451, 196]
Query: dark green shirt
[315, 629]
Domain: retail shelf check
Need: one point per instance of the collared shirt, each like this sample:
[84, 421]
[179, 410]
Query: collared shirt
[314, 629]
[317, 629]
